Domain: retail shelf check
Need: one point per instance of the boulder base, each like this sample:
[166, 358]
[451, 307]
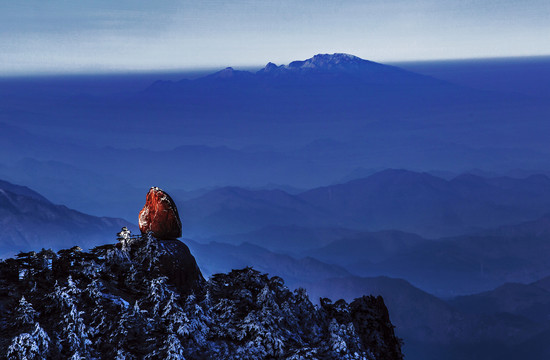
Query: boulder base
[180, 266]
[160, 215]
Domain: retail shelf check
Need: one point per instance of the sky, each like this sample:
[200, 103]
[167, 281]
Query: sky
[64, 36]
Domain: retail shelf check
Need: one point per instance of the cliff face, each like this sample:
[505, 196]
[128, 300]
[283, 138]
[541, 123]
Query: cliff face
[371, 322]
[146, 299]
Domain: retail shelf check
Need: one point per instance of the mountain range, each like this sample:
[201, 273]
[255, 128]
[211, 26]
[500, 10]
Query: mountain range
[282, 169]
[474, 262]
[392, 199]
[489, 325]
[314, 121]
[30, 221]
[346, 224]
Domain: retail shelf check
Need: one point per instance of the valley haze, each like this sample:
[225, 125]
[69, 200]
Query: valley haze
[424, 182]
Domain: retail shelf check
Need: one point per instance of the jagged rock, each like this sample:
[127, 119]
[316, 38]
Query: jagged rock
[371, 319]
[160, 215]
[372, 324]
[169, 257]
[179, 265]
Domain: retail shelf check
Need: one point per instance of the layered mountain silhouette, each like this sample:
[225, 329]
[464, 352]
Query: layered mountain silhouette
[314, 121]
[367, 248]
[321, 69]
[215, 257]
[332, 222]
[445, 267]
[219, 139]
[292, 239]
[392, 199]
[531, 300]
[432, 328]
[299, 225]
[331, 87]
[30, 221]
[473, 262]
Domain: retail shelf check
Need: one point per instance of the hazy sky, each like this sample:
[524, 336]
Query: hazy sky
[100, 35]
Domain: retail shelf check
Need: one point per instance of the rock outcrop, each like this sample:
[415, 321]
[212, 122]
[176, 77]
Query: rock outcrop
[371, 321]
[169, 258]
[176, 313]
[180, 267]
[160, 215]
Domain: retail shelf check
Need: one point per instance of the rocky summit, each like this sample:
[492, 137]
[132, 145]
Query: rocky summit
[145, 298]
[160, 215]
[172, 258]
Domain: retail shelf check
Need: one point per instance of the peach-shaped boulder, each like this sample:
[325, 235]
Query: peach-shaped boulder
[160, 215]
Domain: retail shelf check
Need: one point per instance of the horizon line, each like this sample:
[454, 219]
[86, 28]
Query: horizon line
[97, 71]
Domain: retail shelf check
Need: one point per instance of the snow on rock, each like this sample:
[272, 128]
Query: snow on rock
[160, 215]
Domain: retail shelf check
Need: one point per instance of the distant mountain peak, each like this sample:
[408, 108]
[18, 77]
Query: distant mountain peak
[21, 190]
[337, 62]
[327, 61]
[270, 66]
[225, 73]
[229, 73]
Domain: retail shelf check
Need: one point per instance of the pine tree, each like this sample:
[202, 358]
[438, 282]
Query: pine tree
[23, 347]
[129, 332]
[72, 332]
[32, 342]
[172, 348]
[25, 314]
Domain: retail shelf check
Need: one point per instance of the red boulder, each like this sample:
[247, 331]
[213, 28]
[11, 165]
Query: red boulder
[160, 215]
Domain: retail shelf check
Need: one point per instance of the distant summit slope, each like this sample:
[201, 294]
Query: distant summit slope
[322, 70]
[337, 62]
[339, 92]
[402, 200]
[476, 262]
[30, 221]
[21, 190]
[230, 74]
[347, 65]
